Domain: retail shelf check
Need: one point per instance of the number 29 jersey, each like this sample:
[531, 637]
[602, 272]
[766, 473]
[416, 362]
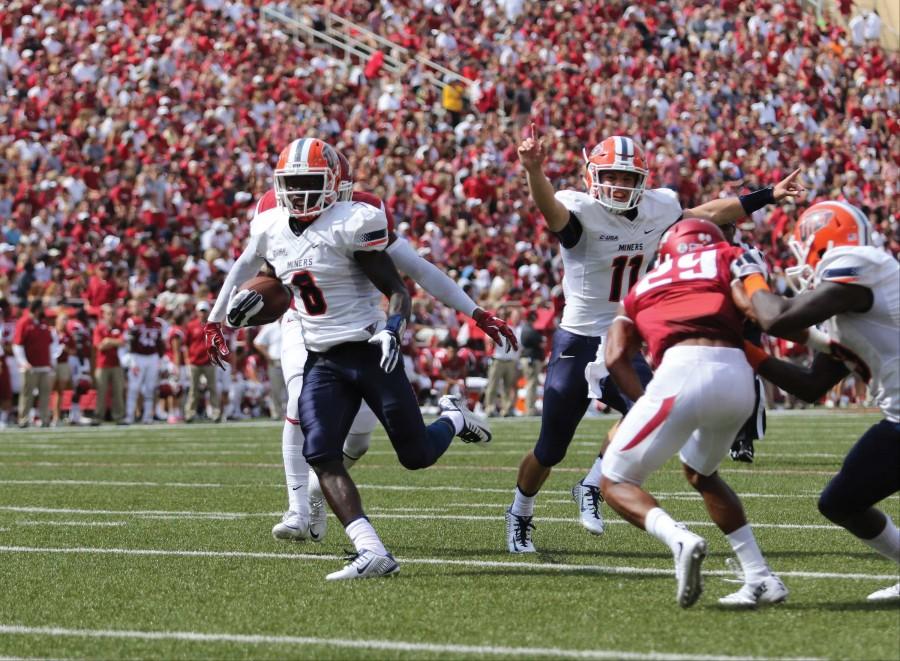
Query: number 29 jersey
[333, 297]
[610, 255]
[685, 297]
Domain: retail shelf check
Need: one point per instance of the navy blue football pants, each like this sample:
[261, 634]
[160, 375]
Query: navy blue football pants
[334, 383]
[870, 473]
[566, 393]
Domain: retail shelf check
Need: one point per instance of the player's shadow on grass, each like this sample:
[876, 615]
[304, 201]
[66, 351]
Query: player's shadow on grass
[540, 571]
[862, 555]
[837, 606]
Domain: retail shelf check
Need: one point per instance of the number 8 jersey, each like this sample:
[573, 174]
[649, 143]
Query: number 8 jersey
[334, 299]
[604, 254]
[687, 297]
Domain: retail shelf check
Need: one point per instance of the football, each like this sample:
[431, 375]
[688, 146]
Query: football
[276, 299]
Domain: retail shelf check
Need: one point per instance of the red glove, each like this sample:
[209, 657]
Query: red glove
[495, 328]
[216, 346]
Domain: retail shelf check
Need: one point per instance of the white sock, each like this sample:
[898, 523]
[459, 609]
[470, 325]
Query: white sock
[887, 543]
[74, 413]
[296, 469]
[364, 537]
[662, 526]
[593, 477]
[751, 558]
[456, 418]
[522, 505]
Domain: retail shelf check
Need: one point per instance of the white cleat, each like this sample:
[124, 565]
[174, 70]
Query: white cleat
[588, 499]
[475, 430]
[769, 590]
[366, 564]
[318, 519]
[689, 557]
[518, 533]
[292, 527]
[886, 594]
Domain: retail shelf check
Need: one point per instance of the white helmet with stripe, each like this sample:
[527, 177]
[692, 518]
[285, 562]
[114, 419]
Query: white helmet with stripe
[616, 154]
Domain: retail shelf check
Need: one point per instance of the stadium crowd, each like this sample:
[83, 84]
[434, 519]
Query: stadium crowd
[135, 139]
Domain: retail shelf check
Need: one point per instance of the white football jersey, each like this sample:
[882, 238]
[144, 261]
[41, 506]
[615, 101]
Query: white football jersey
[334, 298]
[611, 255]
[873, 336]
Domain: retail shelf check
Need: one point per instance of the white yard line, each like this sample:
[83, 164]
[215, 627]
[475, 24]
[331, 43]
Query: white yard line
[370, 644]
[492, 564]
[87, 524]
[381, 512]
[372, 487]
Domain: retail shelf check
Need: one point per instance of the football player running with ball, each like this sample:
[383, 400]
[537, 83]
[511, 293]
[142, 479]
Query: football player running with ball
[306, 517]
[608, 236]
[331, 253]
[700, 395]
[853, 289]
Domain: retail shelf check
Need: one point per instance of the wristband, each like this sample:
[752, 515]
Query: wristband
[757, 199]
[396, 323]
[755, 355]
[754, 283]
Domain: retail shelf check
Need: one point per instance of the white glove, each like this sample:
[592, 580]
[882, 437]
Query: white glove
[750, 262]
[242, 307]
[388, 339]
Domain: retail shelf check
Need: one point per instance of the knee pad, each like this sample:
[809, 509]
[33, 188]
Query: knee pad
[833, 504]
[356, 445]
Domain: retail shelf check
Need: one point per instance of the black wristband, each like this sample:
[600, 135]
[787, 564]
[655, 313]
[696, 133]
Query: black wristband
[757, 199]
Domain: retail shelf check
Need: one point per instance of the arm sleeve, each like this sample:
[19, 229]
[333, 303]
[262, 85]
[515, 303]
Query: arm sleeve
[245, 267]
[429, 277]
[570, 235]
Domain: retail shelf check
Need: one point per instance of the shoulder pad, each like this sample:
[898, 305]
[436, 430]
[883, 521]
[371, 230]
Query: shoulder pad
[573, 200]
[264, 221]
[664, 196]
[859, 265]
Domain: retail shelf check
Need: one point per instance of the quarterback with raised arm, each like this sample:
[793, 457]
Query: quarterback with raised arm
[608, 237]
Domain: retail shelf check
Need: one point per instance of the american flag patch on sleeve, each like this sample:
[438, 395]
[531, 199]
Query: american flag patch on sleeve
[371, 239]
[845, 274]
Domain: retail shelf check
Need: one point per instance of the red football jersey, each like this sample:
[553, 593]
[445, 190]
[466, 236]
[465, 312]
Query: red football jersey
[686, 297]
[144, 337]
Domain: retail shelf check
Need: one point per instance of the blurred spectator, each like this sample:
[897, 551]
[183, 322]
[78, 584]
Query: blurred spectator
[109, 378]
[268, 343]
[32, 347]
[503, 372]
[532, 342]
[200, 367]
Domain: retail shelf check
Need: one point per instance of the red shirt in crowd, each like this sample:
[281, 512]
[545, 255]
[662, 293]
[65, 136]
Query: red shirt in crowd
[35, 336]
[195, 337]
[109, 357]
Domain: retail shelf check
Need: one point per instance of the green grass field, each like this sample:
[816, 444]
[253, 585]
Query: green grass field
[154, 543]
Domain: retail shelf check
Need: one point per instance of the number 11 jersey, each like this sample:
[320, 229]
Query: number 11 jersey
[606, 254]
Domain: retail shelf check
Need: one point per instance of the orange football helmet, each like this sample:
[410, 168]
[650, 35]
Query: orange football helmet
[307, 177]
[616, 154]
[345, 185]
[820, 228]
